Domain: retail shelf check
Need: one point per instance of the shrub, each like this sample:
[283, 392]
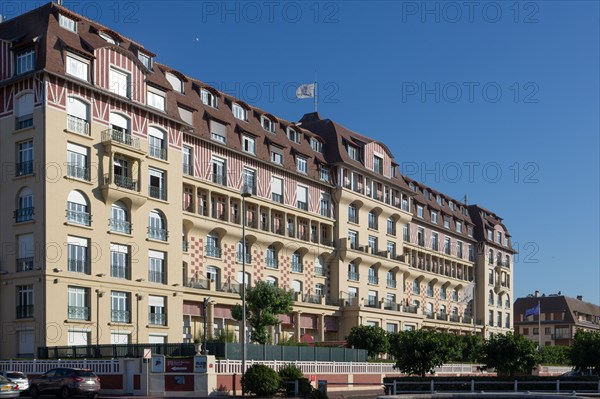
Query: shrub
[261, 380]
[290, 372]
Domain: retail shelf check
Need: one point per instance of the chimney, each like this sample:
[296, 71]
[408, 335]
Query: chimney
[1, 18]
[580, 297]
[537, 293]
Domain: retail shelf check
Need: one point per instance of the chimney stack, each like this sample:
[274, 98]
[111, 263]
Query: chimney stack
[537, 293]
[580, 297]
[1, 18]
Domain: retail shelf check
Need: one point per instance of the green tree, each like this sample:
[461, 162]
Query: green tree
[585, 350]
[420, 351]
[263, 303]
[372, 338]
[559, 355]
[261, 380]
[510, 354]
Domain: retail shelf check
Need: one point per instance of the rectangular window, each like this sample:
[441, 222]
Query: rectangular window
[316, 145]
[459, 226]
[302, 197]
[156, 99]
[67, 23]
[499, 237]
[406, 232]
[78, 67]
[391, 248]
[77, 162]
[459, 249]
[470, 231]
[156, 267]
[78, 305]
[119, 261]
[434, 241]
[490, 235]
[156, 310]
[188, 160]
[120, 307]
[324, 173]
[24, 301]
[277, 189]
[208, 98]
[372, 222]
[157, 186]
[248, 144]
[249, 181]
[120, 83]
[218, 131]
[421, 236]
[447, 245]
[446, 223]
[24, 164]
[276, 156]
[373, 244]
[267, 124]
[434, 217]
[378, 164]
[353, 239]
[145, 59]
[239, 112]
[77, 256]
[301, 165]
[391, 227]
[325, 201]
[353, 152]
[25, 61]
[420, 211]
[219, 171]
[293, 135]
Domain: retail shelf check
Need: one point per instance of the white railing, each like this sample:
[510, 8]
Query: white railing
[37, 367]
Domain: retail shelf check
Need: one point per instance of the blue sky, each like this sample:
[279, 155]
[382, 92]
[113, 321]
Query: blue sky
[496, 100]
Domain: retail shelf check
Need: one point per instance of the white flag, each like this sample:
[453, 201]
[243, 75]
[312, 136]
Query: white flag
[468, 292]
[306, 91]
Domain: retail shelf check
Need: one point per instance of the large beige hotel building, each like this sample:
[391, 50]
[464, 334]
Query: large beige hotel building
[121, 208]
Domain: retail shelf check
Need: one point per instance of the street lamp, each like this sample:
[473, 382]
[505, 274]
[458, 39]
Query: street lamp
[99, 294]
[246, 193]
[204, 304]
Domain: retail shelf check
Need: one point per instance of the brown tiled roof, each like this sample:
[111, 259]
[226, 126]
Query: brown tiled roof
[558, 304]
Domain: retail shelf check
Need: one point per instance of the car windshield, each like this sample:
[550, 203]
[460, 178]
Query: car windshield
[84, 373]
[15, 375]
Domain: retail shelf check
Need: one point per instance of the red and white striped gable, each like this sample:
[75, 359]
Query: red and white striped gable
[374, 148]
[106, 58]
[8, 94]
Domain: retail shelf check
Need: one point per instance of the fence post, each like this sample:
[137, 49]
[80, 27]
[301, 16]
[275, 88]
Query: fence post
[395, 387]
[516, 385]
[432, 386]
[472, 385]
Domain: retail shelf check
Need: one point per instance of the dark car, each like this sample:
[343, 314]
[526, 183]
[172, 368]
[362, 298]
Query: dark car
[8, 389]
[65, 382]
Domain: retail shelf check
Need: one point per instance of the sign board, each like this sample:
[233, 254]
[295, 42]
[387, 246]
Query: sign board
[147, 353]
[200, 364]
[158, 364]
[179, 366]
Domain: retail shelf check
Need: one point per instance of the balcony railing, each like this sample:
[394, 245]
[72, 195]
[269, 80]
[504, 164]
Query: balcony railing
[219, 179]
[119, 225]
[76, 217]
[297, 266]
[454, 318]
[277, 198]
[213, 251]
[157, 319]
[24, 214]
[78, 125]
[118, 136]
[239, 257]
[156, 233]
[273, 263]
[78, 171]
[77, 265]
[249, 186]
[24, 311]
[390, 305]
[373, 280]
[24, 122]
[302, 205]
[371, 302]
[429, 314]
[24, 264]
[157, 152]
[184, 246]
[312, 298]
[353, 276]
[411, 309]
[78, 313]
[391, 283]
[319, 271]
[120, 316]
[157, 192]
[155, 276]
[122, 181]
[24, 168]
[188, 169]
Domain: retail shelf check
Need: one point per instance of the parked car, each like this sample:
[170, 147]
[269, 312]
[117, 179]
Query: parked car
[66, 382]
[579, 373]
[18, 378]
[8, 389]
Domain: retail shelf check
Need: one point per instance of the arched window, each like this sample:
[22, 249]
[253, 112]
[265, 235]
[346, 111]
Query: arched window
[240, 252]
[119, 218]
[213, 274]
[455, 295]
[239, 112]
[373, 279]
[429, 309]
[442, 293]
[391, 279]
[78, 112]
[507, 303]
[271, 281]
[373, 220]
[416, 288]
[157, 226]
[352, 271]
[120, 127]
[213, 246]
[352, 214]
[491, 297]
[507, 261]
[297, 286]
[297, 262]
[25, 208]
[24, 111]
[430, 289]
[78, 209]
[157, 143]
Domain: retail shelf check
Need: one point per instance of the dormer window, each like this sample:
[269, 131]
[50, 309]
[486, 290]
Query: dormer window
[175, 82]
[446, 223]
[353, 152]
[25, 61]
[208, 98]
[267, 124]
[67, 23]
[293, 135]
[324, 173]
[434, 217]
[276, 155]
[301, 164]
[378, 164]
[156, 98]
[458, 226]
[145, 59]
[108, 38]
[316, 145]
[438, 199]
[239, 112]
[426, 194]
[248, 144]
[412, 186]
[470, 231]
[490, 235]
[393, 170]
[420, 211]
[451, 205]
[77, 66]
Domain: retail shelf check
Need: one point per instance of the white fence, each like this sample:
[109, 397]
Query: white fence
[235, 367]
[35, 367]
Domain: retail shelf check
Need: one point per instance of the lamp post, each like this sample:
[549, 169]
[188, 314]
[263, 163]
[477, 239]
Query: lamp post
[99, 294]
[246, 193]
[204, 304]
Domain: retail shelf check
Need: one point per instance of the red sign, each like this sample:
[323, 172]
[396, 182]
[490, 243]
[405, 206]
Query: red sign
[179, 366]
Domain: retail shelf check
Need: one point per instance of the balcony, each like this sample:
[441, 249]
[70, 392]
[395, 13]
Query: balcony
[119, 225]
[24, 168]
[353, 276]
[313, 299]
[371, 302]
[429, 314]
[220, 179]
[248, 187]
[240, 258]
[78, 171]
[157, 192]
[454, 318]
[411, 309]
[78, 313]
[76, 217]
[25, 264]
[157, 319]
[442, 316]
[435, 246]
[213, 251]
[296, 266]
[319, 271]
[157, 152]
[122, 182]
[24, 214]
[156, 233]
[325, 211]
[352, 218]
[277, 198]
[561, 335]
[390, 305]
[119, 272]
[78, 125]
[373, 280]
[120, 316]
[273, 263]
[302, 205]
[24, 311]
[78, 266]
[121, 138]
[155, 276]
[391, 283]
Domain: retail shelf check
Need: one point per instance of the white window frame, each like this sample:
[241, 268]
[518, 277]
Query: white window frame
[302, 164]
[25, 61]
[316, 145]
[120, 82]
[209, 98]
[67, 23]
[156, 99]
[239, 112]
[267, 124]
[248, 144]
[77, 66]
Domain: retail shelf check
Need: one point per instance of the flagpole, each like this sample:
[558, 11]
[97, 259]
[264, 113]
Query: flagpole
[474, 310]
[315, 96]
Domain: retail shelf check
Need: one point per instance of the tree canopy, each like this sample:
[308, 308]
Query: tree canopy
[419, 352]
[372, 338]
[510, 354]
[585, 350]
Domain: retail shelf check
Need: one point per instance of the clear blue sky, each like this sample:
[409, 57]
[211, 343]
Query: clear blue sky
[496, 100]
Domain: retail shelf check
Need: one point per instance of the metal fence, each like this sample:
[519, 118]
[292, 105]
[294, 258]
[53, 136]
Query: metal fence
[35, 367]
[233, 351]
[114, 351]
